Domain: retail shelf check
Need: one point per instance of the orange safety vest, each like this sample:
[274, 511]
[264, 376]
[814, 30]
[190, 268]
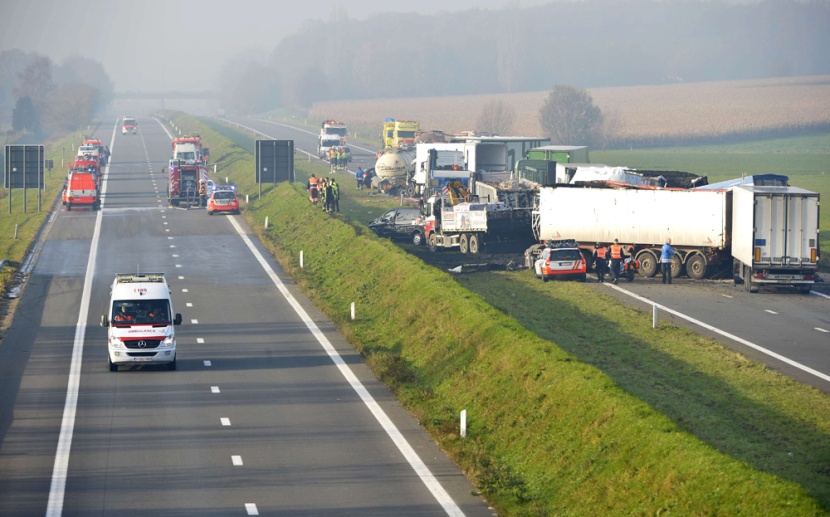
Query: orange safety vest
[601, 252]
[616, 251]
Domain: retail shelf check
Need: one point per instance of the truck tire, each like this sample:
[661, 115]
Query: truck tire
[696, 266]
[113, 366]
[648, 263]
[474, 243]
[69, 207]
[804, 289]
[172, 365]
[676, 266]
[433, 246]
[417, 238]
[463, 243]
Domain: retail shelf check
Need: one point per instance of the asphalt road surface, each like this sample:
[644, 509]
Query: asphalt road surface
[270, 411]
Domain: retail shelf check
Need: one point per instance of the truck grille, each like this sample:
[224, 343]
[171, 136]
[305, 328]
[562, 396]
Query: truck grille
[142, 343]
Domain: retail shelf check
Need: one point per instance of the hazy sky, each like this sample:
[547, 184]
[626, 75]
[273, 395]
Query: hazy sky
[167, 44]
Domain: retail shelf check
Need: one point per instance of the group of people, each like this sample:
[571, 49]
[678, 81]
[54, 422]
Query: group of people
[616, 254]
[338, 158]
[325, 192]
[363, 178]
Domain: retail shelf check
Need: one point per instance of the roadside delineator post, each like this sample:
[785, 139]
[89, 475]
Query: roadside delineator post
[266, 222]
[464, 423]
[654, 316]
[301, 259]
[352, 311]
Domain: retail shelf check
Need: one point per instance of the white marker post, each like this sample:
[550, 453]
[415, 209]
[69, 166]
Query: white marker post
[301, 259]
[654, 316]
[352, 311]
[266, 222]
[464, 423]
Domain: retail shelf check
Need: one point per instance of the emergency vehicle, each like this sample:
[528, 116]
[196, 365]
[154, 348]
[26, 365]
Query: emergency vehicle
[140, 327]
[128, 125]
[81, 189]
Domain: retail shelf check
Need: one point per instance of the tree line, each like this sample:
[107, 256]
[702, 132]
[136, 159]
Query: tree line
[39, 98]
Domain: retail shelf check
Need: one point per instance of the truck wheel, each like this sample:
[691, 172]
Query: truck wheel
[69, 207]
[463, 244]
[417, 238]
[648, 263]
[172, 365]
[804, 289]
[748, 285]
[113, 366]
[474, 244]
[676, 266]
[433, 246]
[696, 266]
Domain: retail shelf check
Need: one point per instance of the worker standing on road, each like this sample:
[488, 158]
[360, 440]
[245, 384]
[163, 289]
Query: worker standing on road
[202, 193]
[600, 261]
[617, 256]
[666, 255]
[358, 175]
[344, 158]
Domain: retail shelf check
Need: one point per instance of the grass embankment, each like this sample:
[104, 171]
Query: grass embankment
[591, 413]
[28, 223]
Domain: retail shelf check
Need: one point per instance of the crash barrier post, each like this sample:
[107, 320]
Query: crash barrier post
[464, 423]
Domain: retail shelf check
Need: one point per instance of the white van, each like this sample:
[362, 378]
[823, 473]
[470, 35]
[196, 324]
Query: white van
[139, 320]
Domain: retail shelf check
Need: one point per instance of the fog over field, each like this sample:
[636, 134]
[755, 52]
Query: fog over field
[146, 44]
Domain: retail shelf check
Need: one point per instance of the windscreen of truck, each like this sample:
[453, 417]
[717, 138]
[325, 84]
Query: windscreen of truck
[340, 131]
[129, 121]
[186, 155]
[140, 312]
[406, 134]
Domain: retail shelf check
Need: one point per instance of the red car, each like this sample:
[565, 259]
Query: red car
[560, 263]
[223, 200]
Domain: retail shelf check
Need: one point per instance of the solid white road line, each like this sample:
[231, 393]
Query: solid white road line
[429, 480]
[54, 507]
[733, 337]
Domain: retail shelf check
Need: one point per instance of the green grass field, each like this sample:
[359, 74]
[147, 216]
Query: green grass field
[580, 409]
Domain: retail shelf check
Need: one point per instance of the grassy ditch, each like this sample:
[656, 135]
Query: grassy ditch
[27, 223]
[553, 426]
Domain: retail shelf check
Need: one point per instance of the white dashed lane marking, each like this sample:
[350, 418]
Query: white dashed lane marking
[226, 422]
[771, 312]
[237, 461]
[251, 509]
[214, 389]
[208, 363]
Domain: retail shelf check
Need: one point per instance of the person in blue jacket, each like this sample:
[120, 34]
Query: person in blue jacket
[665, 260]
[358, 175]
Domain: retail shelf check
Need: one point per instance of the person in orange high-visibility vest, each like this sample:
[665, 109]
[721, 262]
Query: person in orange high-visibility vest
[617, 255]
[600, 261]
[313, 184]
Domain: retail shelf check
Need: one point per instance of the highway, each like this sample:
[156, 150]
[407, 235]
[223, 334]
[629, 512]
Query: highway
[270, 412]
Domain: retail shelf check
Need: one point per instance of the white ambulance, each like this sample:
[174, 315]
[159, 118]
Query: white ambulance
[141, 330]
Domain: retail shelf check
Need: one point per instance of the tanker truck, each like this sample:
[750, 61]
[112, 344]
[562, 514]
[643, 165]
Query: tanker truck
[393, 171]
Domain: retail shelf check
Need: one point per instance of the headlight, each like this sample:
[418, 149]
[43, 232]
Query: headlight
[114, 341]
[168, 342]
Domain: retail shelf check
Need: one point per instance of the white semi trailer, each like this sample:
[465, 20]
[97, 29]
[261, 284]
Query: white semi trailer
[771, 232]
